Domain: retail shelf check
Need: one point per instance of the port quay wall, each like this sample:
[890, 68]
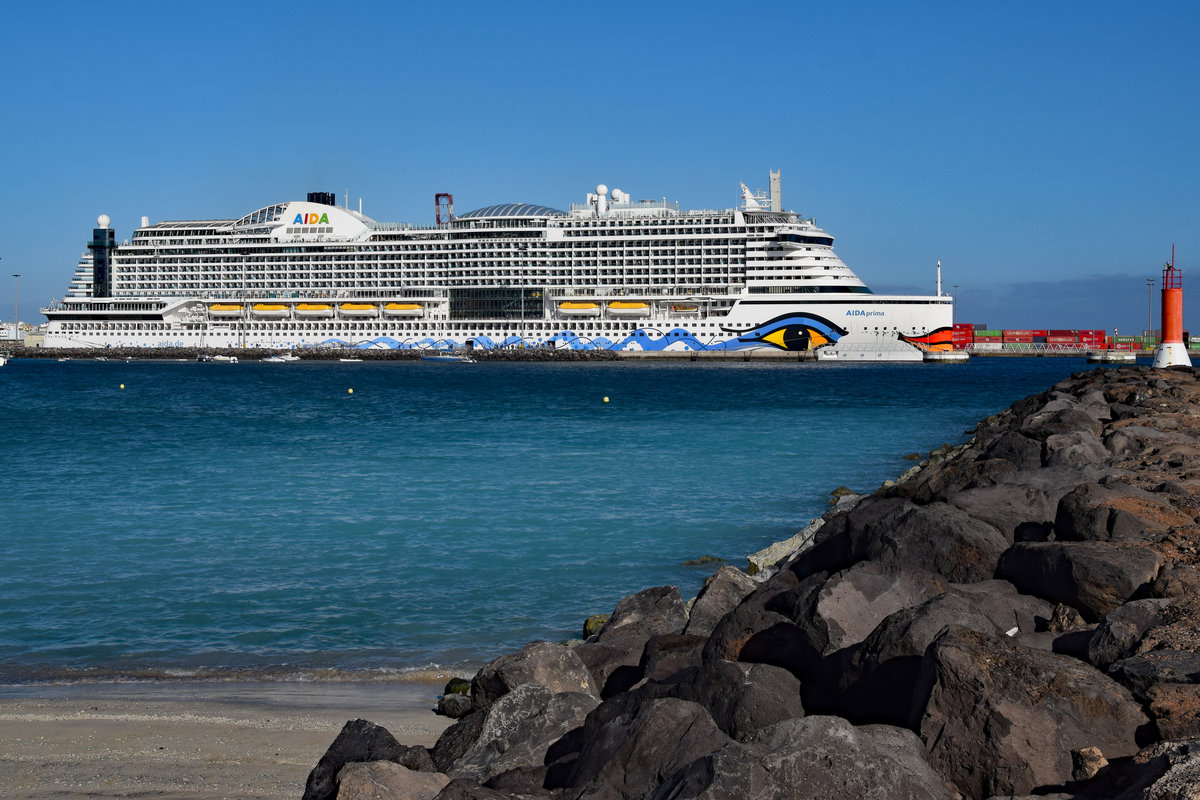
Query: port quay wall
[1016, 614]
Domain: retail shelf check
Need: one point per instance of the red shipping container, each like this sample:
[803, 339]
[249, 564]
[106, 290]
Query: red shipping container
[1019, 339]
[1060, 340]
[1039, 333]
[1017, 333]
[1061, 333]
[964, 326]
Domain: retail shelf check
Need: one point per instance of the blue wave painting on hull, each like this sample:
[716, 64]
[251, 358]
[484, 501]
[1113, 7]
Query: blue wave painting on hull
[788, 332]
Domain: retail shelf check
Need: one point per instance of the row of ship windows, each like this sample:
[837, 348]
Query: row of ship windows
[204, 276]
[665, 239]
[208, 256]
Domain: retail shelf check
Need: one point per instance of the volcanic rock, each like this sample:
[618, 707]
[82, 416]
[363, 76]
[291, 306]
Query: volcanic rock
[384, 780]
[1003, 718]
[555, 666]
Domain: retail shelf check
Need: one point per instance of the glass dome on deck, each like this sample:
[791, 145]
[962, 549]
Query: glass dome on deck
[508, 210]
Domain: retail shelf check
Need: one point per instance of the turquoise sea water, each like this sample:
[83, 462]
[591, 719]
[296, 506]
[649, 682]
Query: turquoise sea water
[260, 519]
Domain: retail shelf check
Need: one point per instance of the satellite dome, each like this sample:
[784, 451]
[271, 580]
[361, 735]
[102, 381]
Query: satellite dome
[601, 190]
[103, 220]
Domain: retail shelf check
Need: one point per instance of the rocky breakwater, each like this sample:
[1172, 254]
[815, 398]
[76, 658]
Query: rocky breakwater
[1015, 617]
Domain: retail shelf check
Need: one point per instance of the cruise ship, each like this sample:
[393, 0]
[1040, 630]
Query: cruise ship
[611, 272]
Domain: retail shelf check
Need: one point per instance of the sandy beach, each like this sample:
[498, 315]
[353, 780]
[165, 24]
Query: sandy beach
[198, 741]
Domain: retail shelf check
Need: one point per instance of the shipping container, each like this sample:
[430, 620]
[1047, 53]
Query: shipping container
[1040, 333]
[1018, 333]
[987, 332]
[964, 326]
[1060, 340]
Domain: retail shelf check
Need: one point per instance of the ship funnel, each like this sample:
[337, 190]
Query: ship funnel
[1172, 352]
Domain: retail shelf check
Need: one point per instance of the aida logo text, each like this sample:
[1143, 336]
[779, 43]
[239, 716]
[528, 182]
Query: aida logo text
[858, 312]
[311, 219]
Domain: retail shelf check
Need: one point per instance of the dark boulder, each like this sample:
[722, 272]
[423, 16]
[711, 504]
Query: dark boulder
[466, 789]
[456, 740]
[851, 603]
[1121, 632]
[1093, 577]
[668, 654]
[630, 754]
[722, 593]
[1007, 608]
[1020, 513]
[1021, 451]
[1177, 580]
[742, 698]
[823, 757]
[519, 728]
[940, 538]
[1102, 513]
[878, 682]
[1076, 449]
[454, 705]
[376, 780]
[1175, 709]
[555, 666]
[360, 740]
[615, 663]
[1144, 671]
[1002, 719]
[1063, 415]
[760, 628]
[647, 613]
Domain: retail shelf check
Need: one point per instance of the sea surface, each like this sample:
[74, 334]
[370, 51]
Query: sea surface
[372, 520]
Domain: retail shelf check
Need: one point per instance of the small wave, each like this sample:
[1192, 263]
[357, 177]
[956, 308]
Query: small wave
[283, 673]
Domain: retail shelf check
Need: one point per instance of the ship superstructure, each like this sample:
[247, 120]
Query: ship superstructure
[610, 272]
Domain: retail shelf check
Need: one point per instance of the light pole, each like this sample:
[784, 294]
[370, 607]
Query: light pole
[1149, 310]
[16, 320]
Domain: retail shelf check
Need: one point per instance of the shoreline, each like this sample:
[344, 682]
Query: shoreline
[192, 740]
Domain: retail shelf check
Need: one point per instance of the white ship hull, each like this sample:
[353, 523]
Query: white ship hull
[618, 276]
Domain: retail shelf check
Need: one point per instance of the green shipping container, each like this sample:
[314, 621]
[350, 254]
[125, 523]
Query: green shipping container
[989, 333]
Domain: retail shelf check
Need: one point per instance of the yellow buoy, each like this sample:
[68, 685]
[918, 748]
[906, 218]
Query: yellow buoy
[349, 391]
[606, 398]
[122, 386]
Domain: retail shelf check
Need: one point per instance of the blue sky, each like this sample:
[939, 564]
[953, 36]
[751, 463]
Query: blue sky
[1046, 152]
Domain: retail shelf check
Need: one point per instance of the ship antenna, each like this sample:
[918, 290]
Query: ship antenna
[939, 282]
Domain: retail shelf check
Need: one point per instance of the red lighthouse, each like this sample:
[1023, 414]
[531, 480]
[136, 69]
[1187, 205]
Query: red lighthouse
[1172, 352]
